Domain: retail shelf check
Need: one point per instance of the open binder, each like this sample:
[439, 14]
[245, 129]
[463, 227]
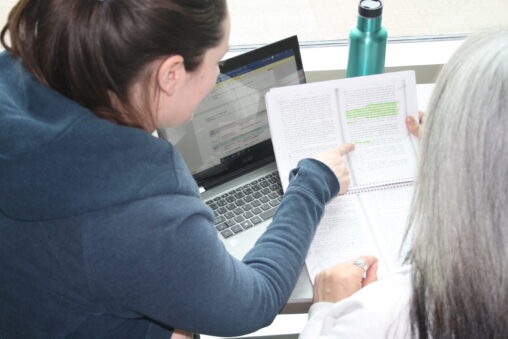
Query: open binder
[370, 111]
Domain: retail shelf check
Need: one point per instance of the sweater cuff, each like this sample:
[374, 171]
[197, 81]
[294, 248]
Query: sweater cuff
[316, 177]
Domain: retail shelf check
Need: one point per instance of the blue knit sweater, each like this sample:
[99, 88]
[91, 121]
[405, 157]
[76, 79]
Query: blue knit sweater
[103, 233]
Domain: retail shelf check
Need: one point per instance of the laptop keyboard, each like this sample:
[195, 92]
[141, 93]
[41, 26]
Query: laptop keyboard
[246, 206]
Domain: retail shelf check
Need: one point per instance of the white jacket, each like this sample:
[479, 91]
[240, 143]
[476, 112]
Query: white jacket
[379, 310]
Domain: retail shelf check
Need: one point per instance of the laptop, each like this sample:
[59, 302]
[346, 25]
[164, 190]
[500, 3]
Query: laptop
[227, 144]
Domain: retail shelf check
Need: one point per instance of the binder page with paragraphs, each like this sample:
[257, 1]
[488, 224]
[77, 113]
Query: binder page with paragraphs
[370, 111]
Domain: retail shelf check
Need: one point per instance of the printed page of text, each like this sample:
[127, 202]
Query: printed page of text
[343, 234]
[373, 117]
[387, 212]
[303, 121]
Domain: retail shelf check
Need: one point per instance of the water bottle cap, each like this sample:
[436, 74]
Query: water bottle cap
[370, 8]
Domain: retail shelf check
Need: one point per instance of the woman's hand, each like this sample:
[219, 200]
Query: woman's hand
[335, 160]
[414, 126]
[179, 334]
[342, 280]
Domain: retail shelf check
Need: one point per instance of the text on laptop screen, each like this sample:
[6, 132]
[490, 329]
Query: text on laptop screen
[230, 128]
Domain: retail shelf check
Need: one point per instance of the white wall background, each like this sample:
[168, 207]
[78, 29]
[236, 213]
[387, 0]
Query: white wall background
[5, 7]
[264, 21]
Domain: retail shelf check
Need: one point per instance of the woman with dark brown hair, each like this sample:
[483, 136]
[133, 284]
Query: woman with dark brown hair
[102, 230]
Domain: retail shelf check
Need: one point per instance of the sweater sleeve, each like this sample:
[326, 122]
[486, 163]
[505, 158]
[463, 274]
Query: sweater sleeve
[160, 258]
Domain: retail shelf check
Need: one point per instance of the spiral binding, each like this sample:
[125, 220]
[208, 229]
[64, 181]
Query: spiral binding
[379, 186]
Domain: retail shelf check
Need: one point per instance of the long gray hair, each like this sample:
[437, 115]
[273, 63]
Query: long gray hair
[459, 218]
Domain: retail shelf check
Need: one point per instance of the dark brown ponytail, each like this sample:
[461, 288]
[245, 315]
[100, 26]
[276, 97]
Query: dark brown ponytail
[90, 50]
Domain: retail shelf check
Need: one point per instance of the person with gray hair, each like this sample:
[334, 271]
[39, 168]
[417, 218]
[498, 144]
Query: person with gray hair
[456, 283]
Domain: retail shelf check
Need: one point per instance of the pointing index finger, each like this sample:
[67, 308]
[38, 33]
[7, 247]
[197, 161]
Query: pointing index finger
[346, 148]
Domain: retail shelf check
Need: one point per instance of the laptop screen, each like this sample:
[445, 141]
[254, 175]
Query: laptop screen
[229, 133]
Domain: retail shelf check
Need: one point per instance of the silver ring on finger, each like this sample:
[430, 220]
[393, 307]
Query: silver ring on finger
[360, 263]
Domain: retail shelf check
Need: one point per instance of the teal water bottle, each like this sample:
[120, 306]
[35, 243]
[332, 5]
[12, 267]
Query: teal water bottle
[367, 42]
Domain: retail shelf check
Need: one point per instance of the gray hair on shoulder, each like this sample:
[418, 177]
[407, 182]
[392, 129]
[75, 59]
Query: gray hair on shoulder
[459, 217]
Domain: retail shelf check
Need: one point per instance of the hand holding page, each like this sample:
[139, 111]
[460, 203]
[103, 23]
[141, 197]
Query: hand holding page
[369, 112]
